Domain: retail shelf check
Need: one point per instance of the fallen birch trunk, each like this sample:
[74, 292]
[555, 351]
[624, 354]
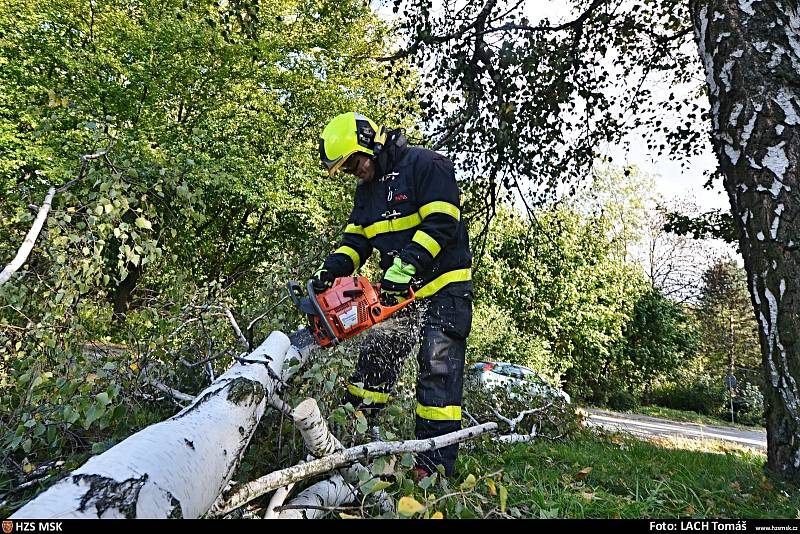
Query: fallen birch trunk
[247, 492]
[517, 438]
[176, 468]
[312, 501]
[337, 490]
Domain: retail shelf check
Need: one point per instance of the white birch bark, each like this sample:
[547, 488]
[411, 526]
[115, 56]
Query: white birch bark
[178, 467]
[329, 493]
[277, 500]
[337, 490]
[247, 492]
[751, 57]
[27, 245]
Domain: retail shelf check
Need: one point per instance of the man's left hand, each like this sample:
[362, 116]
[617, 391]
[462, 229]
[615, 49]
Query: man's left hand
[396, 281]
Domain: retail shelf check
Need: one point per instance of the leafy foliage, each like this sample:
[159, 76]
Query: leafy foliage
[207, 198]
[524, 105]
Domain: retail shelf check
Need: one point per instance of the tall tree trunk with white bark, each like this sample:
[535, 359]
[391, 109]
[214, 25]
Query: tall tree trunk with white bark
[751, 53]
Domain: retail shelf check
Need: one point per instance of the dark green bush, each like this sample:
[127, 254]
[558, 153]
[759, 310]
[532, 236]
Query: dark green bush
[748, 405]
[622, 400]
[704, 395]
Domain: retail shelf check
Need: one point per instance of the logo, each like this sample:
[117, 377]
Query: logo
[8, 526]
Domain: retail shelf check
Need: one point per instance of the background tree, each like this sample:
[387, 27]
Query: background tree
[660, 337]
[209, 198]
[729, 332]
[533, 100]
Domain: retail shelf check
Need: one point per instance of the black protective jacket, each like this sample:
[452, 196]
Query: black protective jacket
[411, 210]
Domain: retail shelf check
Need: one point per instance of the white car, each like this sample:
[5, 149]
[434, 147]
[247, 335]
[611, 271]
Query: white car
[501, 374]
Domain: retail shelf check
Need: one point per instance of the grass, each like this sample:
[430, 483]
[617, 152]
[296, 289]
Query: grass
[615, 476]
[690, 417]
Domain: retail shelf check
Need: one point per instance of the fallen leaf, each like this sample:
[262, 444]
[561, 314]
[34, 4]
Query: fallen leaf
[580, 475]
[587, 496]
[437, 515]
[689, 510]
[735, 485]
[348, 516]
[27, 468]
[409, 506]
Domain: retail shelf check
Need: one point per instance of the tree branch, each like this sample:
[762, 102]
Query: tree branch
[30, 239]
[276, 479]
[27, 245]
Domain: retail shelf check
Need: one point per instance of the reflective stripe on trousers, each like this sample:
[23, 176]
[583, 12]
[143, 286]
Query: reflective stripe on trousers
[441, 324]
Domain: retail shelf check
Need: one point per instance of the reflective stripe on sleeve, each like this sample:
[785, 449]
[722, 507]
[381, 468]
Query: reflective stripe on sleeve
[351, 253]
[354, 229]
[440, 206]
[427, 242]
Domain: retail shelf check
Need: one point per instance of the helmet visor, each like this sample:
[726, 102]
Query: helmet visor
[332, 166]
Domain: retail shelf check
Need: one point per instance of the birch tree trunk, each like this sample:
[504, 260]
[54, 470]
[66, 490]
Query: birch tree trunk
[176, 468]
[751, 53]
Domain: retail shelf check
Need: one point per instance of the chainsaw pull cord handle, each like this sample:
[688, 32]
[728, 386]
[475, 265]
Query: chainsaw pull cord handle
[323, 319]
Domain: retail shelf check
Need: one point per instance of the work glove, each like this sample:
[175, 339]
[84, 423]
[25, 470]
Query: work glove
[322, 279]
[396, 281]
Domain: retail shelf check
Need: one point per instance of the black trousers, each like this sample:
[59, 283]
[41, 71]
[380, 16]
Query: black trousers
[441, 323]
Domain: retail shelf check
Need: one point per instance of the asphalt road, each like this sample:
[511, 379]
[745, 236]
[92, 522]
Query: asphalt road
[646, 426]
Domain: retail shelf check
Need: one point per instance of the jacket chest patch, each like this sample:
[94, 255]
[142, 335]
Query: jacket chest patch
[395, 196]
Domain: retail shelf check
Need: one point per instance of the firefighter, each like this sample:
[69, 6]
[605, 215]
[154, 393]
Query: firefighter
[407, 207]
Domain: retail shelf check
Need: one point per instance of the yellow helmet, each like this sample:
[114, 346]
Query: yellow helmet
[346, 133]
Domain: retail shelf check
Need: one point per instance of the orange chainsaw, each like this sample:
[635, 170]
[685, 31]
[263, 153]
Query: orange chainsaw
[349, 307]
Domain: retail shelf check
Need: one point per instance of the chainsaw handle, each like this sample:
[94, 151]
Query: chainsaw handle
[322, 317]
[295, 292]
[386, 311]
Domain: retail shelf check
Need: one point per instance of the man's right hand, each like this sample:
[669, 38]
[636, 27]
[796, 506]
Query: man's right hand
[322, 279]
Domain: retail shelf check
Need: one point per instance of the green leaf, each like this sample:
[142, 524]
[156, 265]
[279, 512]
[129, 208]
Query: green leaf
[102, 398]
[94, 413]
[141, 222]
[374, 485]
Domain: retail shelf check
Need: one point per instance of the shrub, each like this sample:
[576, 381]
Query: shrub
[748, 405]
[704, 395]
[622, 400]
